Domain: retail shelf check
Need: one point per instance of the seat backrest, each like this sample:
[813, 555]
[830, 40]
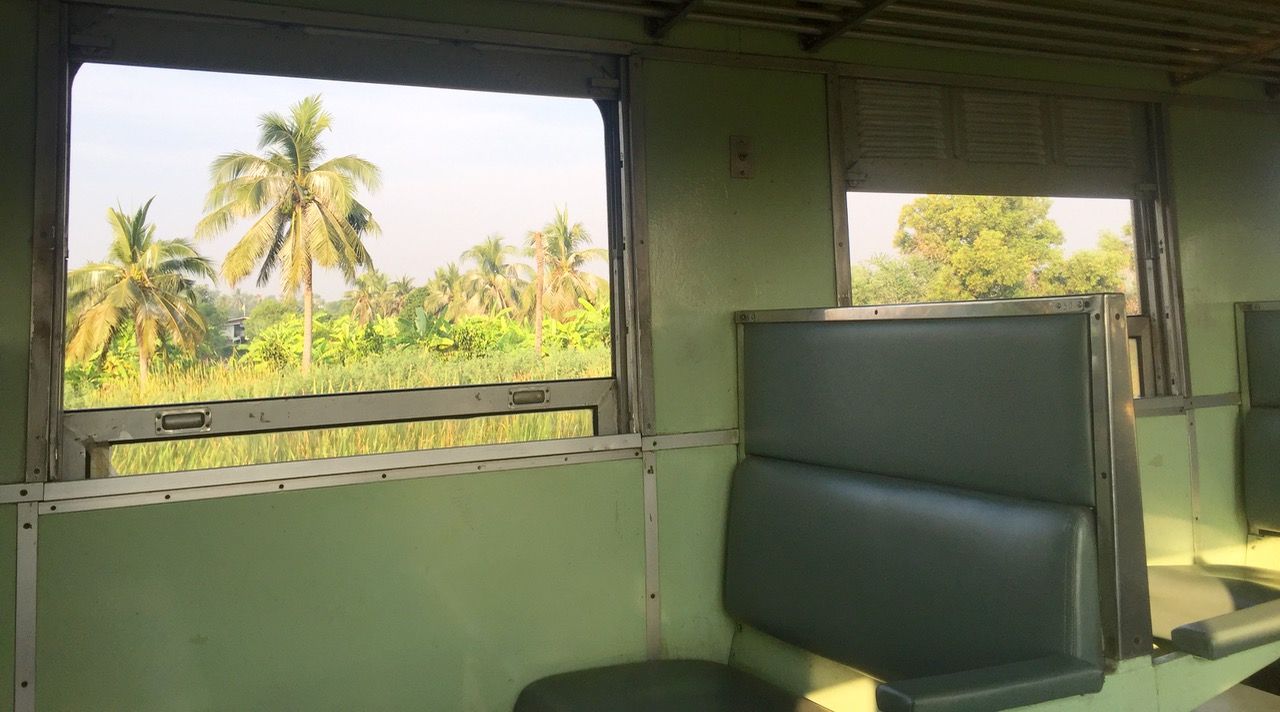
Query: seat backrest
[920, 494]
[999, 405]
[1260, 436]
[905, 579]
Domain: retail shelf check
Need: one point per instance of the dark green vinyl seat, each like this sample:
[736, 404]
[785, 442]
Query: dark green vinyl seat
[962, 601]
[1214, 611]
[918, 503]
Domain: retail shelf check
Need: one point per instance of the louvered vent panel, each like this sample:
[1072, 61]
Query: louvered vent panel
[1003, 127]
[1097, 133]
[896, 120]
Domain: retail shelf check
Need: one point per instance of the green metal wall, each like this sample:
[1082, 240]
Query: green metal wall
[451, 593]
[1226, 174]
[1164, 462]
[718, 244]
[446, 593]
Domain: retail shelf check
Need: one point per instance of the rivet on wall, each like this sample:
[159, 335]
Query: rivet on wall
[742, 162]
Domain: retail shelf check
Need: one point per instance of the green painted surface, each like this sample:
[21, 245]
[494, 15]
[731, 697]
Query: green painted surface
[447, 593]
[1186, 682]
[1222, 528]
[17, 117]
[1226, 174]
[693, 497]
[1165, 468]
[718, 244]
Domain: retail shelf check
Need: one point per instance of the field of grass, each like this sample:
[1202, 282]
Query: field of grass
[409, 368]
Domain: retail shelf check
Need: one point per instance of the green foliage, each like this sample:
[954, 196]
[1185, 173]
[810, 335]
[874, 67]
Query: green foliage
[936, 226]
[304, 209]
[215, 313]
[892, 280]
[267, 313]
[144, 282]
[1108, 268]
[958, 247]
[484, 335]
[587, 327]
[342, 340]
[277, 347]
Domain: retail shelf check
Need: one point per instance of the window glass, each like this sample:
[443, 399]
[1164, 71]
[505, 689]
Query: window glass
[236, 236]
[927, 248]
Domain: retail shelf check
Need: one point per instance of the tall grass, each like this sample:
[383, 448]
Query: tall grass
[147, 458]
[396, 370]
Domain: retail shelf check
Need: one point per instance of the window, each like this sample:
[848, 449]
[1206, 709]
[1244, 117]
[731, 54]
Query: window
[926, 248]
[271, 267]
[960, 194]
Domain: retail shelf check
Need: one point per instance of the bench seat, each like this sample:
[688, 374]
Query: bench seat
[1214, 611]
[660, 686]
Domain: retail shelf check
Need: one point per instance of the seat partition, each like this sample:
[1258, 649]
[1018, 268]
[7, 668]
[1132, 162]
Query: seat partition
[1214, 611]
[1259, 327]
[933, 489]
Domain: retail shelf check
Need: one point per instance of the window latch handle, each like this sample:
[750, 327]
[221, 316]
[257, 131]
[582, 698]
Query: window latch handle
[529, 396]
[183, 421]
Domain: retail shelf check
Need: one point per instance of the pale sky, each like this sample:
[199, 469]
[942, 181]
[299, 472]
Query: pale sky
[456, 165]
[873, 220]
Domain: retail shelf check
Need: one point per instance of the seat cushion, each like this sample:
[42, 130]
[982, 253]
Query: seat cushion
[1186, 594]
[659, 686]
[905, 579]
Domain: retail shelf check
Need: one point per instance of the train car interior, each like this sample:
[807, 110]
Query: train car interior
[640, 355]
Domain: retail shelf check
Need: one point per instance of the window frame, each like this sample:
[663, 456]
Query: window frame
[1157, 331]
[76, 444]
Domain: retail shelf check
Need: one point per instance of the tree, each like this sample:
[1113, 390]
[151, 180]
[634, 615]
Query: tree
[267, 313]
[493, 281]
[368, 296]
[567, 252]
[144, 282]
[985, 247]
[446, 293]
[537, 246]
[305, 208]
[885, 279]
[976, 247]
[376, 296]
[214, 310]
[1110, 267]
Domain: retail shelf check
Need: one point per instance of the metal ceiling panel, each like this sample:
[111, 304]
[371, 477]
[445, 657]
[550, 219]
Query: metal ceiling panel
[1189, 39]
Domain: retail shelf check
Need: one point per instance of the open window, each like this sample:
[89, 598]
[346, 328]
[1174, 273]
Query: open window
[284, 255]
[957, 194]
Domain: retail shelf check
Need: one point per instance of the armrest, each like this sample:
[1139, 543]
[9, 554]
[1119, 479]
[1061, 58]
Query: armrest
[1230, 633]
[993, 688]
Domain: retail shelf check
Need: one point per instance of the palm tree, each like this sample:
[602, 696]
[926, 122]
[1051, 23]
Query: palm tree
[536, 241]
[565, 254]
[446, 292]
[368, 296]
[305, 209]
[144, 281]
[494, 281]
[397, 294]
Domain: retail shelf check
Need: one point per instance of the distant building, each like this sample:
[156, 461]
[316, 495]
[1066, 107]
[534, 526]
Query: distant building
[234, 329]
